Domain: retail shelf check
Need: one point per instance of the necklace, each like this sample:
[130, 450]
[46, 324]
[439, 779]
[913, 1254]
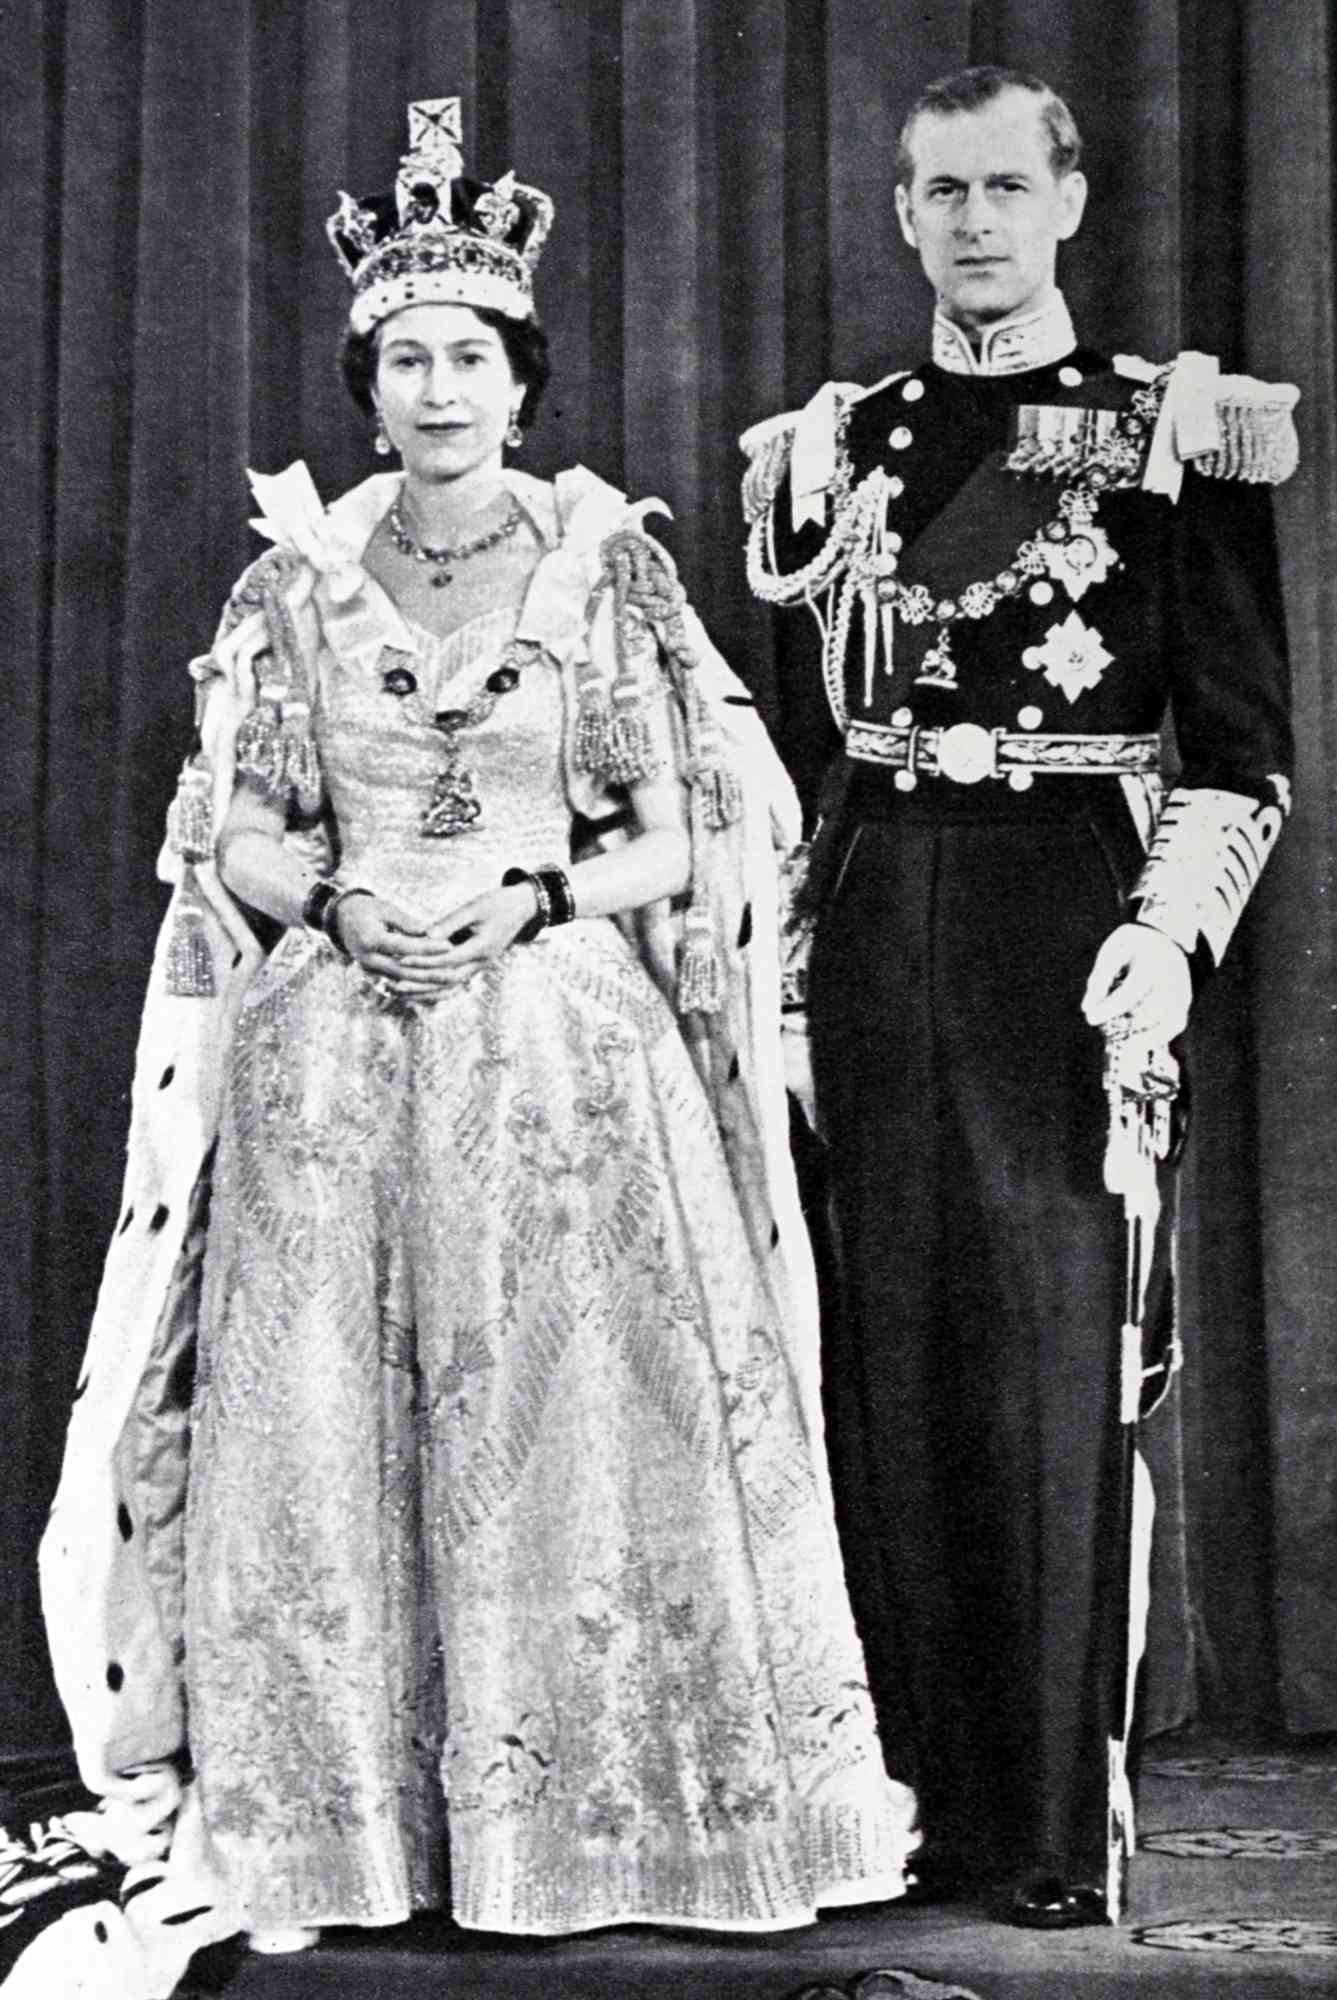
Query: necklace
[456, 552]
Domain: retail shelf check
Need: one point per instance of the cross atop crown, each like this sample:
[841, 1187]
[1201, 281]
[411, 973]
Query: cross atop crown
[436, 133]
[435, 137]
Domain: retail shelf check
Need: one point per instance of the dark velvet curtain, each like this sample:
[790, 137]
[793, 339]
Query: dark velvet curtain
[725, 240]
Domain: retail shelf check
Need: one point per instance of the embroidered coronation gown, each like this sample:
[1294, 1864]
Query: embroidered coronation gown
[508, 1537]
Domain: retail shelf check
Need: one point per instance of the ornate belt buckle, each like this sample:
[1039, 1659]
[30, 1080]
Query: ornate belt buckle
[966, 753]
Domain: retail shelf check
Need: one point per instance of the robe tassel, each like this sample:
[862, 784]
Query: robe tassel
[700, 982]
[190, 963]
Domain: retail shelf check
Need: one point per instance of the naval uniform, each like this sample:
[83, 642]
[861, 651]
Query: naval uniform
[1018, 561]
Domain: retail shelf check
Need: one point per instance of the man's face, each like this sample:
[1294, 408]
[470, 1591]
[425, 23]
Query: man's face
[984, 209]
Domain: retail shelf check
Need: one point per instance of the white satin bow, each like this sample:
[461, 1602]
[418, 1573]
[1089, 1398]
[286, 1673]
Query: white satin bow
[292, 515]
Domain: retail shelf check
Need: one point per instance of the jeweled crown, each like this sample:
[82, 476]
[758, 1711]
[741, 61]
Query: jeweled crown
[440, 238]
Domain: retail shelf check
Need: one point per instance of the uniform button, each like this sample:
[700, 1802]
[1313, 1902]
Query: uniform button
[905, 781]
[1030, 718]
[1042, 593]
[903, 717]
[895, 541]
[1071, 378]
[912, 390]
[901, 438]
[1020, 781]
[895, 486]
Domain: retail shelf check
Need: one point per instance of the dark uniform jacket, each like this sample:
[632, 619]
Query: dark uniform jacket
[1093, 617]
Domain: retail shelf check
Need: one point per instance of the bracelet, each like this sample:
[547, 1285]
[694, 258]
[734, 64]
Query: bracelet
[532, 925]
[561, 896]
[553, 897]
[330, 923]
[317, 902]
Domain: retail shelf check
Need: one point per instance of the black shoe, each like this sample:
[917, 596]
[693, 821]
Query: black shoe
[1050, 1903]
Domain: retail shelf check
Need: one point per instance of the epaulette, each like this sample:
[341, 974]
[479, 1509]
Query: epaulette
[1224, 426]
[876, 388]
[1259, 441]
[805, 439]
[767, 447]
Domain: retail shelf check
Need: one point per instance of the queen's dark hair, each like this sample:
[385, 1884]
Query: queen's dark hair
[969, 90]
[524, 340]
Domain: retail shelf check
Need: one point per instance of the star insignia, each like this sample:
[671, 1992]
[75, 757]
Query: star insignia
[1073, 657]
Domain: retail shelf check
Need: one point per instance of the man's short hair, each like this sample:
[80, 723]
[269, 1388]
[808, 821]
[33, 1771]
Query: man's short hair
[969, 90]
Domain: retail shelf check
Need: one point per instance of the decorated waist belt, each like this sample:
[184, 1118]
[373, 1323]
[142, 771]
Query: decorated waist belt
[966, 753]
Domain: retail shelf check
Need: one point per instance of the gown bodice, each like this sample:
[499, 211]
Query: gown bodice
[381, 752]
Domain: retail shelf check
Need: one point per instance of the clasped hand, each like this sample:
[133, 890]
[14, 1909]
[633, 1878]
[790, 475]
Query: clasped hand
[421, 961]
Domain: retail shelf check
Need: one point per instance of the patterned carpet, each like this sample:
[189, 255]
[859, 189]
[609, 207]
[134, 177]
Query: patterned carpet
[1234, 1893]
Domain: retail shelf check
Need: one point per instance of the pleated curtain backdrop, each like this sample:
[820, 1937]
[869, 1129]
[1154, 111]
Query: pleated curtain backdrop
[725, 240]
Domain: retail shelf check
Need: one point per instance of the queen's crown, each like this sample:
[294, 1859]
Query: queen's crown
[440, 238]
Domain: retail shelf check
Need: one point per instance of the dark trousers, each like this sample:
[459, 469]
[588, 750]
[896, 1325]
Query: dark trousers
[971, 1364]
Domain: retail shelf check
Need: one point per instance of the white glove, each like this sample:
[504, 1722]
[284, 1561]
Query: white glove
[797, 1058]
[1139, 986]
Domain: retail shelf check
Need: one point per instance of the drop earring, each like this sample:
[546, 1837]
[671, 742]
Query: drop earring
[381, 444]
[515, 437]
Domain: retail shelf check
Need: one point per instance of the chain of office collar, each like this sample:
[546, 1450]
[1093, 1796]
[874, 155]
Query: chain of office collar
[1111, 461]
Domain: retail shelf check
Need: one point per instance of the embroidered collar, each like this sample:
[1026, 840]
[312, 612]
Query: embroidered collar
[573, 516]
[1032, 340]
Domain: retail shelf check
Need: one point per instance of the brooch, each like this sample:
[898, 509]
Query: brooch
[1073, 657]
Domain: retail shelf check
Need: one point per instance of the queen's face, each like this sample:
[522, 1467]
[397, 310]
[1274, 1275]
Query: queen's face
[985, 210]
[444, 390]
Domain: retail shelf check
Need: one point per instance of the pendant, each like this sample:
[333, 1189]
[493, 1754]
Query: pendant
[441, 579]
[1082, 557]
[939, 668]
[454, 804]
